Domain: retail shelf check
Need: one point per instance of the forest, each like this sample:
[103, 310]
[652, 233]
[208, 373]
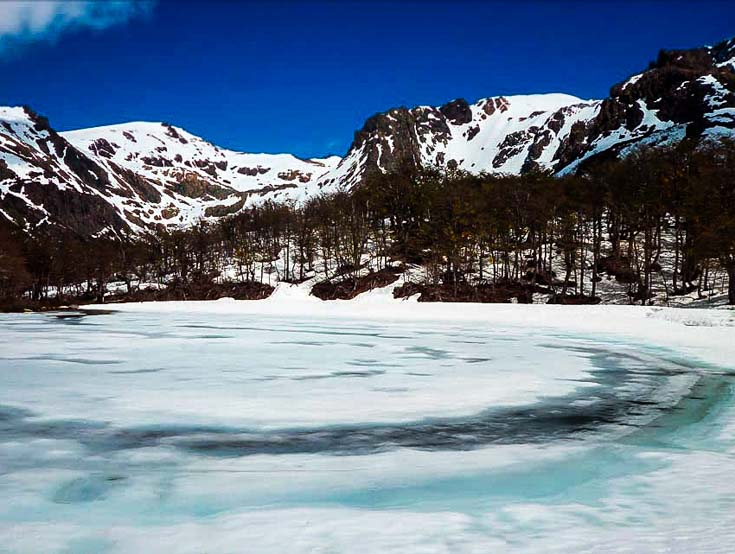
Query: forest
[658, 223]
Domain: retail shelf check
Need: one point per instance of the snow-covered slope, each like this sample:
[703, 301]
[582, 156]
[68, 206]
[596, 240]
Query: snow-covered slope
[506, 134]
[195, 178]
[137, 176]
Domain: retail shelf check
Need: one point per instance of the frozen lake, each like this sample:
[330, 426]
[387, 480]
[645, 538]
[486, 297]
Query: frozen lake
[196, 432]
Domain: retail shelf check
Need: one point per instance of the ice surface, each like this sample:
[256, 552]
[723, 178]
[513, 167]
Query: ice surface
[232, 427]
[268, 371]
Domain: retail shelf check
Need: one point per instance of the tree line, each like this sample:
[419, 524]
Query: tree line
[657, 222]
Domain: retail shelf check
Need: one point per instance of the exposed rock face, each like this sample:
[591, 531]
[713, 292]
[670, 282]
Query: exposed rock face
[458, 112]
[43, 179]
[130, 177]
[683, 93]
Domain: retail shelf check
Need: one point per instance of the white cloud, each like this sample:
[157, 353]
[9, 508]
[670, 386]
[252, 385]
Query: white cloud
[26, 21]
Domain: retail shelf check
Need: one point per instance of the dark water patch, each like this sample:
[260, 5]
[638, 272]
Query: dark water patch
[323, 343]
[635, 367]
[365, 362]
[113, 439]
[84, 361]
[686, 422]
[338, 374]
[312, 377]
[367, 373]
[86, 489]
[204, 326]
[426, 352]
[304, 342]
[11, 413]
[28, 427]
[502, 427]
[136, 371]
[74, 322]
[370, 363]
[648, 357]
[70, 315]
[561, 419]
[57, 358]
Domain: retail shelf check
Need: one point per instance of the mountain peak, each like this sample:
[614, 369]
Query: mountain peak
[138, 175]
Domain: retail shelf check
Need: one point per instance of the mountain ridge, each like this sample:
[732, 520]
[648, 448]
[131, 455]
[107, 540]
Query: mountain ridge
[135, 176]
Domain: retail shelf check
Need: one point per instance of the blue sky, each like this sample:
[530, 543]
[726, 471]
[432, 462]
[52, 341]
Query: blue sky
[301, 77]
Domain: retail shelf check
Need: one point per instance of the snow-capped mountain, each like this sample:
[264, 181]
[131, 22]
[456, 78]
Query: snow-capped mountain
[506, 134]
[683, 93]
[135, 176]
[192, 177]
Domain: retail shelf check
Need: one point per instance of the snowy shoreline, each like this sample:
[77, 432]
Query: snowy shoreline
[703, 332]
